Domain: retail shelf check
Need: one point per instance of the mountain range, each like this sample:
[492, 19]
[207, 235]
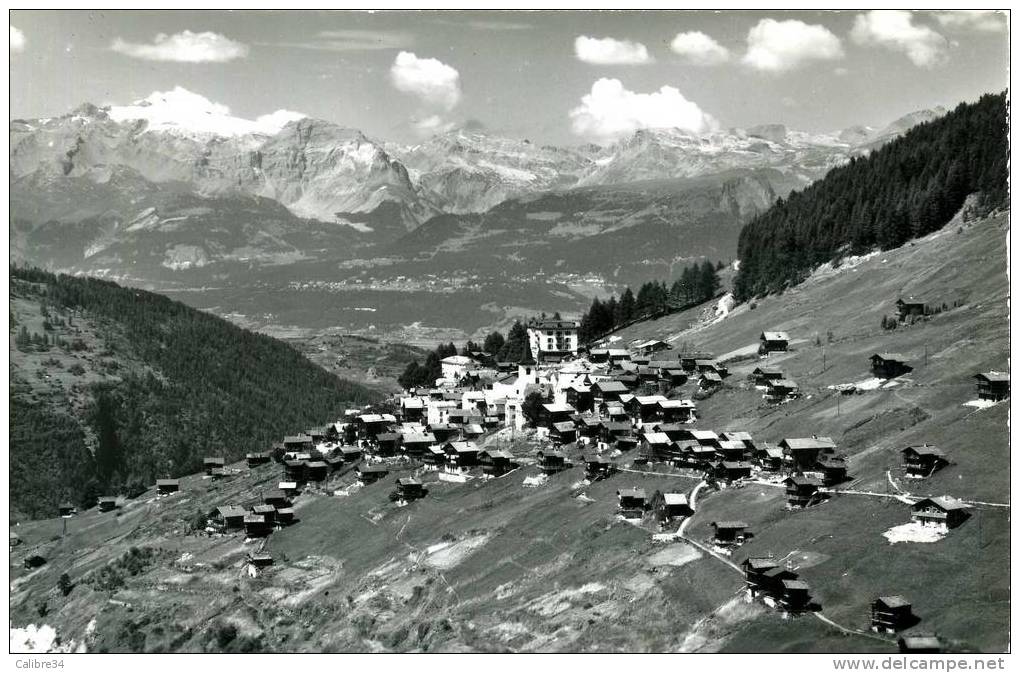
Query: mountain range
[155, 196]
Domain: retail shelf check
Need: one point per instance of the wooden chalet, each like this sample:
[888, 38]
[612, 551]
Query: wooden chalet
[564, 432]
[709, 381]
[689, 361]
[608, 391]
[796, 595]
[624, 444]
[228, 516]
[107, 503]
[669, 507]
[167, 486]
[580, 396]
[802, 491]
[770, 458]
[413, 444]
[739, 436]
[267, 512]
[913, 307]
[651, 346]
[656, 446]
[285, 516]
[553, 461]
[386, 444]
[762, 375]
[940, 512]
[632, 502]
[210, 463]
[614, 430]
[276, 498]
[552, 413]
[890, 614]
[255, 525]
[733, 450]
[444, 432]
[755, 568]
[923, 461]
[460, 456]
[298, 443]
[732, 470]
[350, 453]
[730, 532]
[412, 408]
[711, 367]
[645, 407]
[369, 474]
[434, 457]
[889, 365]
[368, 426]
[773, 342]
[598, 467]
[802, 453]
[780, 390]
[67, 509]
[409, 489]
[288, 488]
[260, 559]
[992, 386]
[832, 468]
[295, 470]
[258, 458]
[496, 462]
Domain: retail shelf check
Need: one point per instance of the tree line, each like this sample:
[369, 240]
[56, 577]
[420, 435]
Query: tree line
[910, 187]
[697, 284]
[191, 385]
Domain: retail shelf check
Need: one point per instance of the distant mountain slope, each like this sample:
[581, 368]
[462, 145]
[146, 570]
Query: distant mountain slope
[130, 386]
[627, 231]
[910, 187]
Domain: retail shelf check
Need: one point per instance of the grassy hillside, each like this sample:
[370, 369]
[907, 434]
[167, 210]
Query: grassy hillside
[834, 319]
[113, 387]
[494, 566]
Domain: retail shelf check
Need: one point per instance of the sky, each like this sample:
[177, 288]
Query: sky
[558, 77]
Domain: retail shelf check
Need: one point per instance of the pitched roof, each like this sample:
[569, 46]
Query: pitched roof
[796, 585]
[994, 377]
[943, 502]
[631, 493]
[807, 443]
[228, 511]
[657, 438]
[890, 357]
[565, 426]
[679, 499]
[761, 563]
[729, 524]
[775, 336]
[893, 601]
[925, 450]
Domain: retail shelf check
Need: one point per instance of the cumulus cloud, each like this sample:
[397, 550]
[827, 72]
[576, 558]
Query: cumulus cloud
[896, 30]
[18, 40]
[777, 46]
[180, 109]
[430, 79]
[610, 110]
[699, 49]
[988, 21]
[431, 125]
[184, 47]
[610, 51]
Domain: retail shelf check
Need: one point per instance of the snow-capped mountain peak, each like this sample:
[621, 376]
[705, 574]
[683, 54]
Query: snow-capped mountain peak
[183, 112]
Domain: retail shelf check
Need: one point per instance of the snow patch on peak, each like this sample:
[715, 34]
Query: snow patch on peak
[183, 111]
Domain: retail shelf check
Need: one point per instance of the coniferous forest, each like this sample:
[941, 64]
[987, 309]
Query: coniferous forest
[205, 387]
[908, 188]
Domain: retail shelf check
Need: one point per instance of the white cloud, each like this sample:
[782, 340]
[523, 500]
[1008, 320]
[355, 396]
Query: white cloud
[182, 110]
[841, 72]
[431, 125]
[610, 51]
[975, 19]
[896, 30]
[777, 46]
[184, 47]
[18, 40]
[610, 111]
[430, 79]
[699, 49]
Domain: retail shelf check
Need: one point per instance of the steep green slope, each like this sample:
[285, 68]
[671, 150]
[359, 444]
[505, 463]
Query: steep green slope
[127, 386]
[910, 187]
[834, 319]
